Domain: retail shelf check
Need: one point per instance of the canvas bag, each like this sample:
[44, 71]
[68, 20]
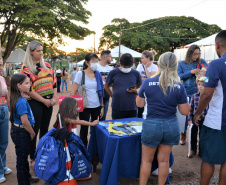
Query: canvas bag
[82, 91]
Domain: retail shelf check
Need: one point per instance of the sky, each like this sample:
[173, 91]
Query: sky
[103, 11]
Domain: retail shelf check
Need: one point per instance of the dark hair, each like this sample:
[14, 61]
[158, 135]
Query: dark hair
[74, 68]
[148, 54]
[88, 57]
[15, 93]
[64, 71]
[126, 60]
[105, 52]
[221, 38]
[68, 109]
[191, 50]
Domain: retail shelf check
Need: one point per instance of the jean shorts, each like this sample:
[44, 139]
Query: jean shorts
[157, 131]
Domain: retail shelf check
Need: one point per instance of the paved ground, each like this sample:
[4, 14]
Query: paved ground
[185, 170]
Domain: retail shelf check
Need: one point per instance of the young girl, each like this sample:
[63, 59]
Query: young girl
[22, 131]
[69, 113]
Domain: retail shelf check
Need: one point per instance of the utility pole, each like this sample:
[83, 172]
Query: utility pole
[120, 34]
[94, 44]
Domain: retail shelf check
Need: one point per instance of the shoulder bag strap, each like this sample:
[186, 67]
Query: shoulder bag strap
[83, 78]
[144, 69]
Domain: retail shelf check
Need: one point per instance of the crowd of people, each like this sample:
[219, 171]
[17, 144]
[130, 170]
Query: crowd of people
[162, 88]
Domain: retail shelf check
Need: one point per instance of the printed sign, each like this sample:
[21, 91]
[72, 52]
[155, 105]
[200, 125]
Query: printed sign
[78, 97]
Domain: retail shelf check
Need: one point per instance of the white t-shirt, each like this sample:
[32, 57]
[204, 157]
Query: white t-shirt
[91, 90]
[104, 70]
[151, 68]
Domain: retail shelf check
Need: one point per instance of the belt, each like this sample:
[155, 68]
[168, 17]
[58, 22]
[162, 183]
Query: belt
[18, 125]
[21, 126]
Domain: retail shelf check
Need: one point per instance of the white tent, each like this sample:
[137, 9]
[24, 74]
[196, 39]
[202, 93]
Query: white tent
[80, 64]
[16, 56]
[123, 49]
[207, 46]
[208, 41]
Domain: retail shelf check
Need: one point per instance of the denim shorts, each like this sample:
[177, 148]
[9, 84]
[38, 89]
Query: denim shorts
[157, 131]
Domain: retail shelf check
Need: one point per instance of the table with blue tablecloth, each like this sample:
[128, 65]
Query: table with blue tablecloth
[120, 156]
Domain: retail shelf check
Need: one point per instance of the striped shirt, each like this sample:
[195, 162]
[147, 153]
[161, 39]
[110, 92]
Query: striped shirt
[194, 105]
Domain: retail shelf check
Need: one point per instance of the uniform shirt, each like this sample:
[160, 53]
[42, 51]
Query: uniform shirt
[184, 72]
[159, 105]
[91, 90]
[22, 107]
[3, 91]
[123, 100]
[151, 68]
[216, 78]
[104, 71]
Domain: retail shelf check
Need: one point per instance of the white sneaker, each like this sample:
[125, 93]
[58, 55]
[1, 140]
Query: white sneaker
[156, 172]
[2, 179]
[7, 171]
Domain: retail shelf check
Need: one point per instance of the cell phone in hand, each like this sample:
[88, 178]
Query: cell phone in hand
[135, 86]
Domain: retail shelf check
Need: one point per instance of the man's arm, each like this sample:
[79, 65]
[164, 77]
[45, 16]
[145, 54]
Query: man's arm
[204, 100]
[107, 89]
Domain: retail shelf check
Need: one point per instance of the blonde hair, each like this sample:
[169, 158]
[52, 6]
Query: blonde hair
[200, 79]
[167, 71]
[28, 59]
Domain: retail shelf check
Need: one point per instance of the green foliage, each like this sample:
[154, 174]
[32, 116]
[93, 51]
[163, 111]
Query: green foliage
[41, 19]
[162, 34]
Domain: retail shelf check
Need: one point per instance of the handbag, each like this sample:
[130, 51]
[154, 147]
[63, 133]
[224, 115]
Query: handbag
[82, 91]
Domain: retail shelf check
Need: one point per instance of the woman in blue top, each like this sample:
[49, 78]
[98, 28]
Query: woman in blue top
[187, 70]
[22, 131]
[160, 130]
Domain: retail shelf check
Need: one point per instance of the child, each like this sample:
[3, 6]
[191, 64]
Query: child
[22, 131]
[69, 113]
[194, 105]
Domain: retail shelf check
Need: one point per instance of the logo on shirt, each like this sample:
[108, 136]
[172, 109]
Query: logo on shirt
[206, 79]
[153, 83]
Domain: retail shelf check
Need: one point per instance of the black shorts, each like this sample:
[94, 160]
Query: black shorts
[213, 145]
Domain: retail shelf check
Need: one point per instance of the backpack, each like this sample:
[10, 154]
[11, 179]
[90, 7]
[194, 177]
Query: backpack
[46, 156]
[81, 159]
[50, 159]
[60, 175]
[74, 141]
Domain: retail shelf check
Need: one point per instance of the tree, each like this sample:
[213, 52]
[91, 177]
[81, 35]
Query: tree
[162, 34]
[41, 19]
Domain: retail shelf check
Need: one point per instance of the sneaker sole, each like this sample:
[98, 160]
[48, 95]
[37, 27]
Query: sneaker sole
[6, 173]
[2, 181]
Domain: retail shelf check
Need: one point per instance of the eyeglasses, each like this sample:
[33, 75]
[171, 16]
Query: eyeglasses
[196, 54]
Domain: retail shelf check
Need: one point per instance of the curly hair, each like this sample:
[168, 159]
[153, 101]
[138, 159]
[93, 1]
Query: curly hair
[191, 50]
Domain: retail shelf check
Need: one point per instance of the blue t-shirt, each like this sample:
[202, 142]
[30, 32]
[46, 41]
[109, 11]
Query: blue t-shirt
[159, 105]
[22, 107]
[216, 78]
[123, 100]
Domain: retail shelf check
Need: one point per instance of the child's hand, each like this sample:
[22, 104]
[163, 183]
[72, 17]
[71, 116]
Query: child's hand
[96, 122]
[32, 136]
[189, 123]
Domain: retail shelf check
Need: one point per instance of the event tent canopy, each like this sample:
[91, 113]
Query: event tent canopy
[207, 46]
[124, 49]
[16, 56]
[206, 41]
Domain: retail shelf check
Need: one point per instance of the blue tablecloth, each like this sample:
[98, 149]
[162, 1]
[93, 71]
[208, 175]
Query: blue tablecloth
[120, 156]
